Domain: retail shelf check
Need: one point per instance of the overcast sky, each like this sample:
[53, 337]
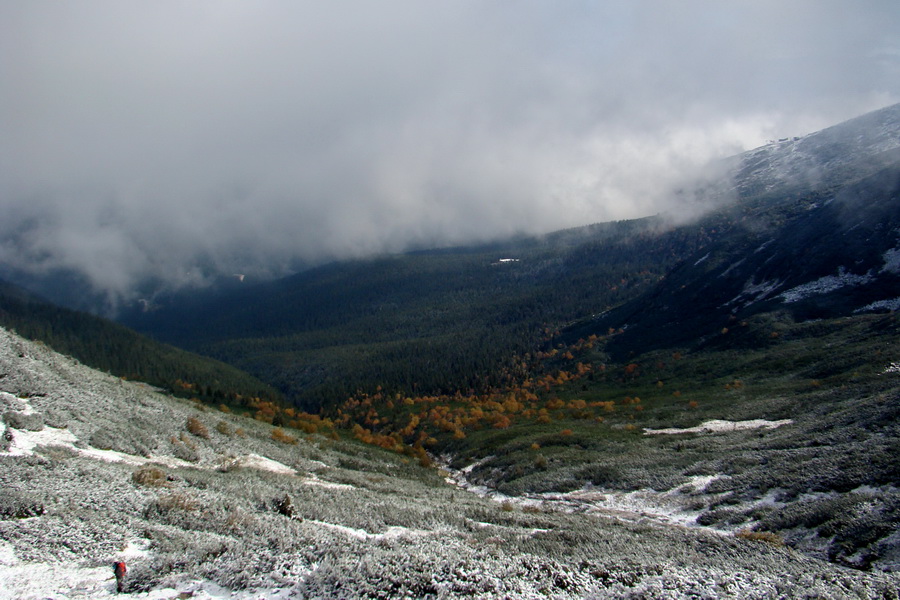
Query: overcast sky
[157, 138]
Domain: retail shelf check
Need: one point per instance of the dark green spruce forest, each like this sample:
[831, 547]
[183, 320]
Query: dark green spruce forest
[114, 348]
[431, 322]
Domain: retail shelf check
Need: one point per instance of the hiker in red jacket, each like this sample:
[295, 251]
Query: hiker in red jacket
[119, 571]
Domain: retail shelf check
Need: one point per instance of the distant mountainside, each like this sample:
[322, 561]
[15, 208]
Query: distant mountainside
[818, 236]
[424, 322]
[804, 224]
[110, 347]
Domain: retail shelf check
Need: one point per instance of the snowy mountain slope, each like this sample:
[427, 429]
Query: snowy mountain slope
[852, 149]
[94, 469]
[817, 253]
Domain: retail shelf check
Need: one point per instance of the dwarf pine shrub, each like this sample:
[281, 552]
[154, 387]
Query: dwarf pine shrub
[17, 506]
[196, 427]
[760, 536]
[279, 435]
[25, 422]
[176, 501]
[150, 476]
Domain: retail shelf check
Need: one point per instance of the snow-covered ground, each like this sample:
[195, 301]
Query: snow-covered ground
[43, 581]
[646, 506]
[363, 523]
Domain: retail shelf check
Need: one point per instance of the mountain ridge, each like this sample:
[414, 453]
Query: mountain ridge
[833, 258]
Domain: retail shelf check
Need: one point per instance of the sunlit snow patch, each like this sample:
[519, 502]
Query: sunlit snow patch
[24, 442]
[718, 426]
[891, 304]
[824, 285]
[255, 461]
[394, 532]
[891, 261]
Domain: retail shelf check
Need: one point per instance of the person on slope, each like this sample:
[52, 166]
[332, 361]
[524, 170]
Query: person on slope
[119, 571]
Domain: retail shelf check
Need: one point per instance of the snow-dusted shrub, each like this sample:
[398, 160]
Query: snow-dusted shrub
[14, 505]
[56, 419]
[185, 451]
[722, 516]
[175, 502]
[127, 443]
[25, 422]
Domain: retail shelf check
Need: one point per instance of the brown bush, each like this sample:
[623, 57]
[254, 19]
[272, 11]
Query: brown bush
[196, 427]
[177, 501]
[760, 536]
[279, 435]
[150, 476]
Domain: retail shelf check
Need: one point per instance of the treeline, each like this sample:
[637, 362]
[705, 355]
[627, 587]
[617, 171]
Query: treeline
[113, 348]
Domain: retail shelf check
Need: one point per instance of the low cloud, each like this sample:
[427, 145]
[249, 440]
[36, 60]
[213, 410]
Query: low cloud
[175, 141]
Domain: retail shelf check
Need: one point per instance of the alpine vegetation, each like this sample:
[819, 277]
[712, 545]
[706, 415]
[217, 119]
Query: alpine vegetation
[196, 503]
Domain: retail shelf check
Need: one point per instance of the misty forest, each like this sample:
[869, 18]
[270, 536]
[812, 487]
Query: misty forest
[302, 345]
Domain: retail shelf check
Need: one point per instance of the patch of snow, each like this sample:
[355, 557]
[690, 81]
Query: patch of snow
[313, 480]
[824, 285]
[892, 304]
[663, 508]
[754, 292]
[731, 268]
[316, 464]
[763, 246]
[667, 508]
[891, 261]
[701, 259]
[698, 482]
[468, 469]
[134, 550]
[255, 461]
[717, 426]
[44, 581]
[361, 534]
[7, 555]
[24, 442]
